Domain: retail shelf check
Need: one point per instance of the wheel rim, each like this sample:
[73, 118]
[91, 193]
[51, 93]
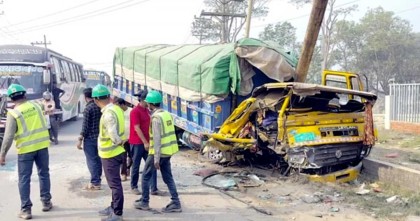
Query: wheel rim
[214, 154]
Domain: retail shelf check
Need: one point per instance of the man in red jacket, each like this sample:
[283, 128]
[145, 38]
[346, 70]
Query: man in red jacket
[139, 142]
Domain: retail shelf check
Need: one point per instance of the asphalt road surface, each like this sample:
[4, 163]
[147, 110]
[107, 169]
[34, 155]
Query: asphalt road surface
[69, 175]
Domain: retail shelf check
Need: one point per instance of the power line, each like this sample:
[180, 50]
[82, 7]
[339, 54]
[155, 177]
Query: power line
[300, 16]
[52, 14]
[67, 20]
[408, 9]
[79, 17]
[7, 30]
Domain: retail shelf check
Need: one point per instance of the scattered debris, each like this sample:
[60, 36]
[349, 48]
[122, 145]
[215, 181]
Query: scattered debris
[265, 196]
[230, 180]
[255, 178]
[283, 199]
[334, 209]
[392, 155]
[361, 190]
[310, 199]
[205, 172]
[391, 199]
[396, 214]
[377, 190]
[319, 215]
[263, 211]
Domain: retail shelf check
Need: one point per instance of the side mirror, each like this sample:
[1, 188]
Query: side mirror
[46, 77]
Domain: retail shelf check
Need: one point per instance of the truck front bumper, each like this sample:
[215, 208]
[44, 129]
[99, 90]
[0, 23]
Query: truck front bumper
[341, 176]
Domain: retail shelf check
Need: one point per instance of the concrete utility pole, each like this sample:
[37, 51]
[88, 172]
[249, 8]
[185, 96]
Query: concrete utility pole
[45, 43]
[248, 18]
[223, 18]
[311, 36]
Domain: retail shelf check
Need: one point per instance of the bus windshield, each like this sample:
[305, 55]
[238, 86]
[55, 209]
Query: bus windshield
[28, 76]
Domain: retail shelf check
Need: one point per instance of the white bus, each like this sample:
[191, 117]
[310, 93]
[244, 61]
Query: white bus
[40, 70]
[94, 77]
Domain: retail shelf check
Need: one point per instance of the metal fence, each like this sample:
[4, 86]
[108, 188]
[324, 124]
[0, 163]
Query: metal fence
[405, 102]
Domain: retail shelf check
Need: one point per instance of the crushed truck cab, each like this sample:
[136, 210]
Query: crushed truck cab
[316, 129]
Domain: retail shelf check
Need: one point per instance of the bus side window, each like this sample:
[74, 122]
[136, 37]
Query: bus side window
[74, 72]
[57, 69]
[82, 75]
[66, 71]
[79, 72]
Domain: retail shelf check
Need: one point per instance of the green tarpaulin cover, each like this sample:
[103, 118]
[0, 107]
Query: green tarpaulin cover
[193, 72]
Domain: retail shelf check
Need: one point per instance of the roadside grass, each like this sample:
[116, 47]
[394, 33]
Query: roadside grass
[375, 203]
[397, 139]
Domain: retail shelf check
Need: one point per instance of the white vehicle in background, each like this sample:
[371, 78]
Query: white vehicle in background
[38, 70]
[94, 77]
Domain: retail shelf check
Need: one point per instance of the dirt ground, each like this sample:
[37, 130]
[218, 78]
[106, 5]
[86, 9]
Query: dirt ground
[399, 148]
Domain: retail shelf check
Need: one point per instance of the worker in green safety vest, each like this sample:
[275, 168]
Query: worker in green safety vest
[110, 148]
[163, 144]
[27, 125]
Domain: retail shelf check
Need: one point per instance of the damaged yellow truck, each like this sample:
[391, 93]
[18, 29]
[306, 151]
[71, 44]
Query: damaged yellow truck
[239, 102]
[319, 130]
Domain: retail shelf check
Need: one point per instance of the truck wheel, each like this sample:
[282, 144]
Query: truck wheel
[211, 154]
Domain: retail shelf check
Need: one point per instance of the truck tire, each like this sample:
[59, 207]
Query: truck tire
[213, 155]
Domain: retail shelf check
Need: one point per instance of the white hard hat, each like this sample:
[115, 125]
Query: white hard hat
[47, 95]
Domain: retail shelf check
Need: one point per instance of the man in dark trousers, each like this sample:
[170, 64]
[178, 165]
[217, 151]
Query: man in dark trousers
[89, 137]
[163, 144]
[126, 165]
[57, 93]
[111, 149]
[139, 142]
[27, 125]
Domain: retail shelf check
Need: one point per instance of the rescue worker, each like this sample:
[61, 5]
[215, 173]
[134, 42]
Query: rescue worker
[110, 149]
[125, 167]
[163, 144]
[26, 124]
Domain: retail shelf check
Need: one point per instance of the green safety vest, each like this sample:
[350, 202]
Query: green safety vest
[107, 149]
[32, 131]
[120, 111]
[168, 141]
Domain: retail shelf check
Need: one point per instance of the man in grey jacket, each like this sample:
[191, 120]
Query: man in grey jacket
[163, 144]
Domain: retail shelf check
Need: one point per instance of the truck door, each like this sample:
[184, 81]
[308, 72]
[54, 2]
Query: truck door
[340, 79]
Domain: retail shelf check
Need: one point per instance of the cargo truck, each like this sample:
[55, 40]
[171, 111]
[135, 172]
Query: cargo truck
[230, 100]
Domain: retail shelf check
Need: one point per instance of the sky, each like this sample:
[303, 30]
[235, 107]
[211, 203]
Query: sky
[89, 31]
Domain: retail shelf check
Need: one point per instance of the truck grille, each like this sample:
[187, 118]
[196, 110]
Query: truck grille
[329, 155]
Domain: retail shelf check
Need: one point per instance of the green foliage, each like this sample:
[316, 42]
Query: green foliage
[381, 45]
[282, 33]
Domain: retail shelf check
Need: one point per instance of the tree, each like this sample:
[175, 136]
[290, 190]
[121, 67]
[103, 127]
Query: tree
[347, 37]
[227, 19]
[327, 27]
[388, 46]
[282, 33]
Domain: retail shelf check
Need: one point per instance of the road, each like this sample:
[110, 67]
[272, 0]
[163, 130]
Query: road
[69, 175]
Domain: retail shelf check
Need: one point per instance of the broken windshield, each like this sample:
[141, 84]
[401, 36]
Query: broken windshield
[326, 102]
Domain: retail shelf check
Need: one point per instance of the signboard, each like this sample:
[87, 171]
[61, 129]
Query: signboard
[18, 70]
[22, 53]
